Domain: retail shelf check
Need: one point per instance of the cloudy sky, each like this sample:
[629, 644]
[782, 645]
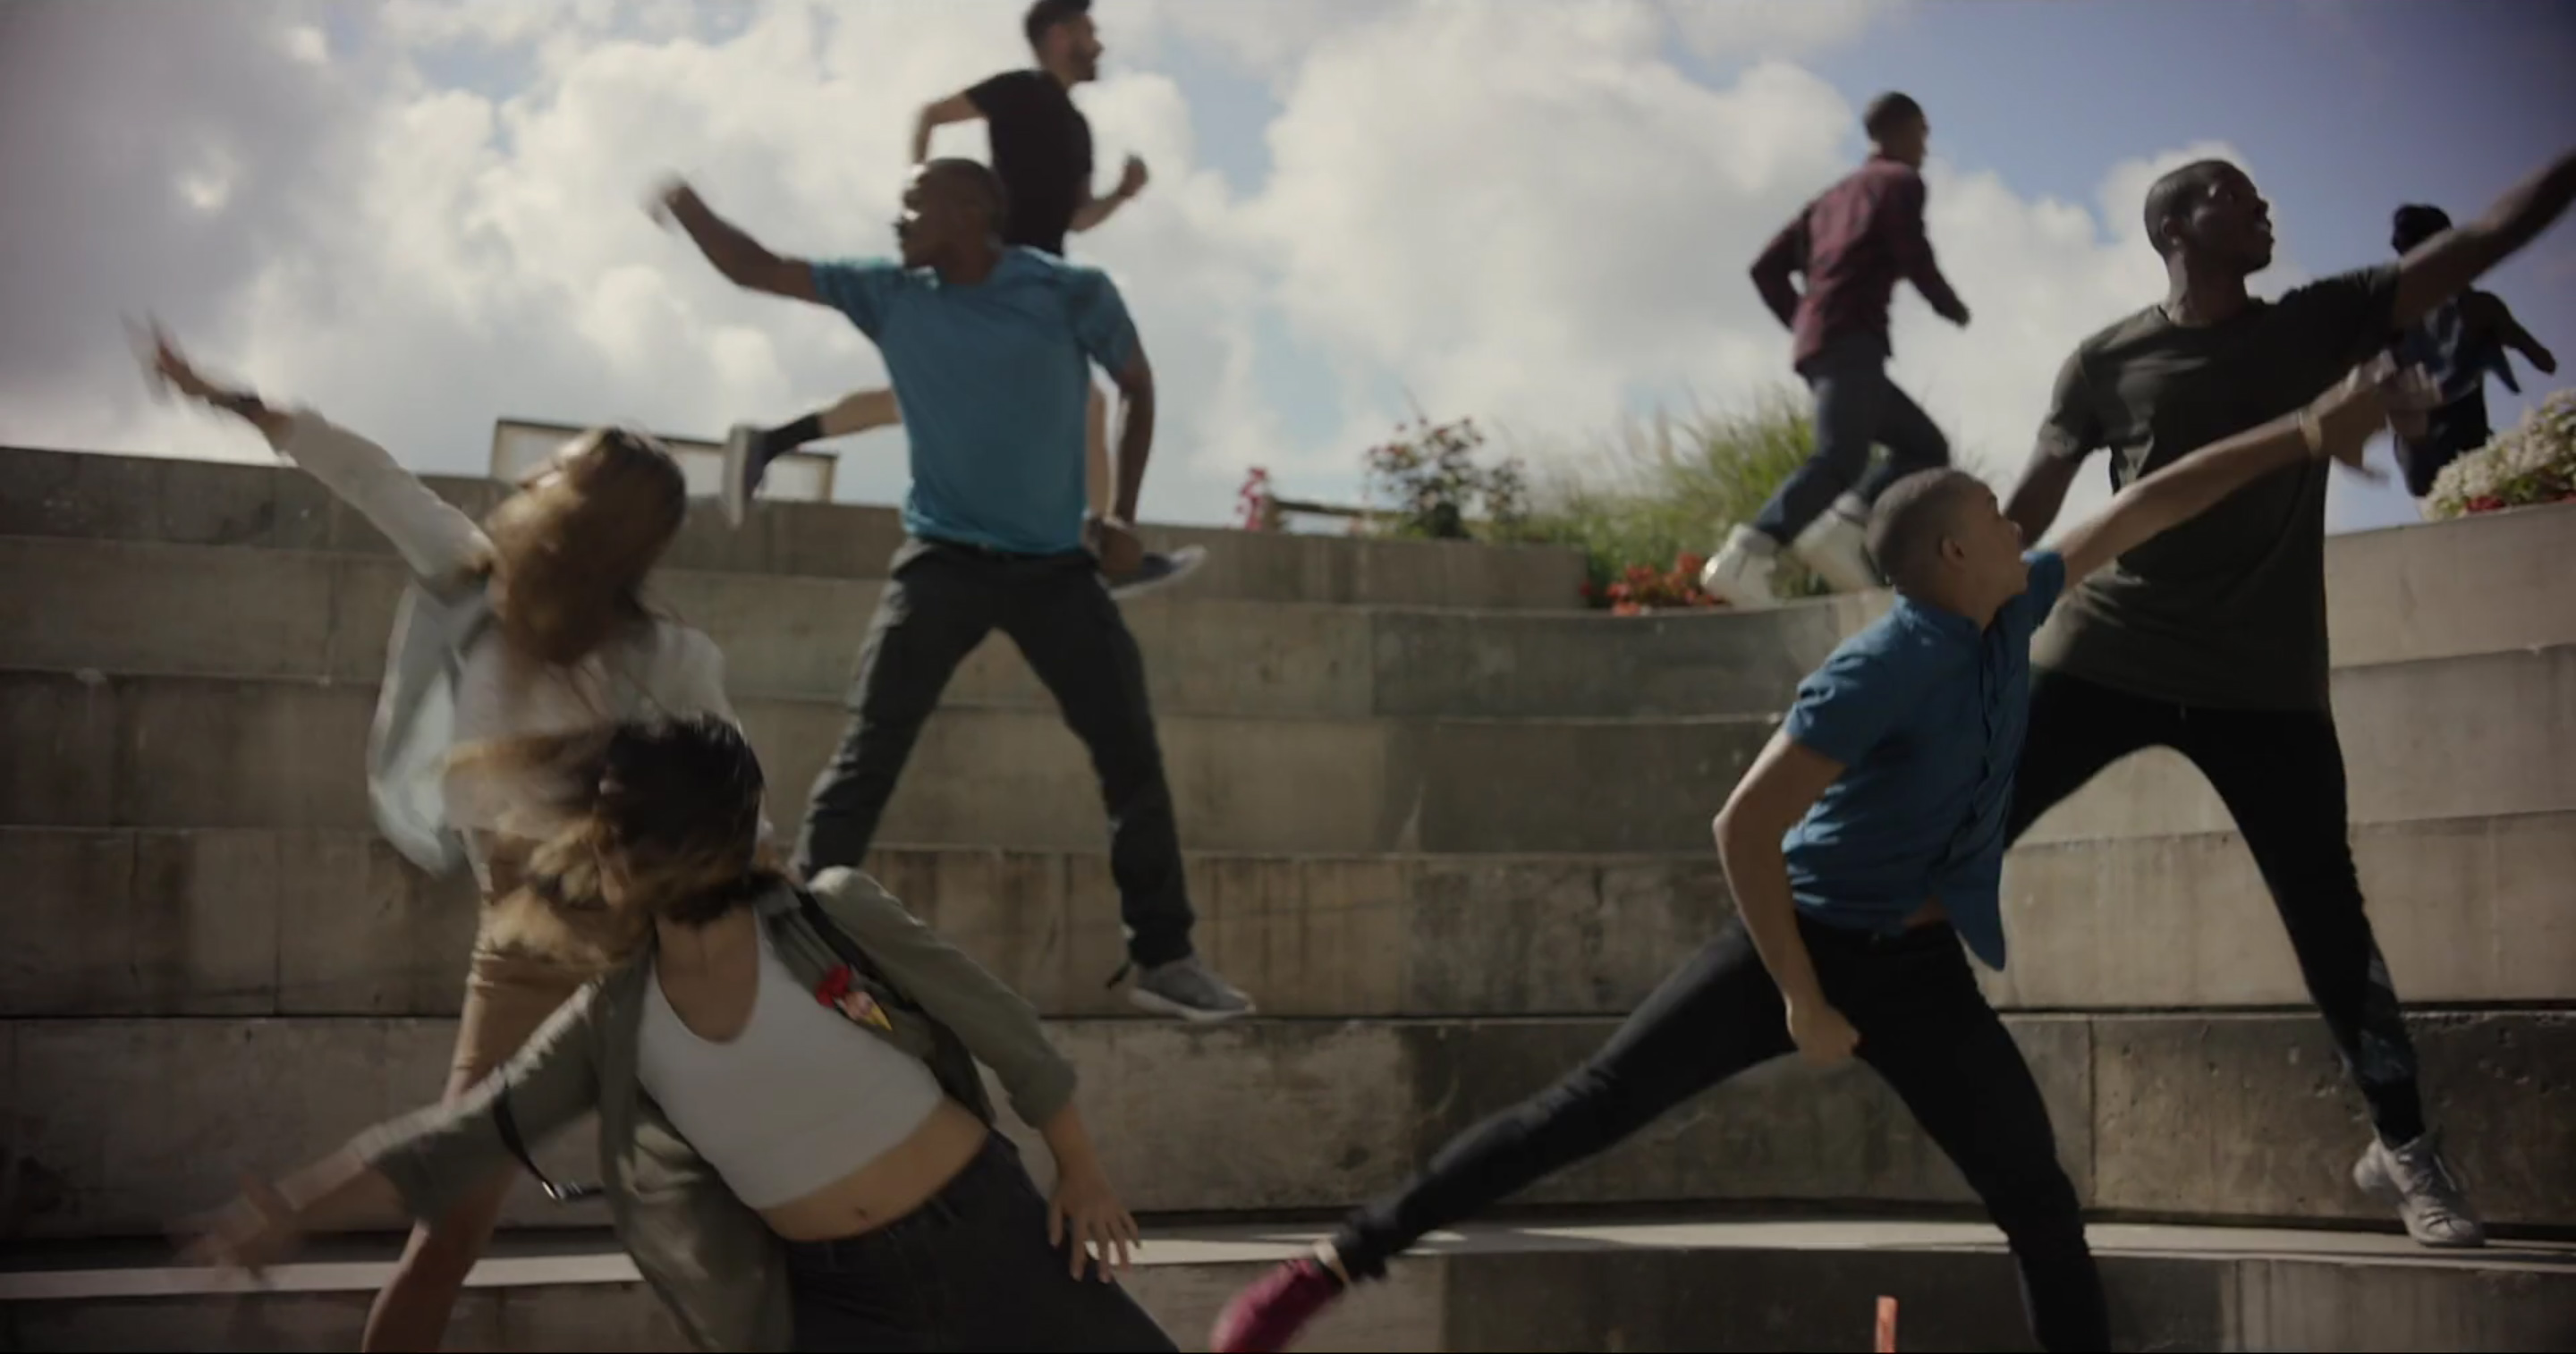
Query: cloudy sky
[425, 216]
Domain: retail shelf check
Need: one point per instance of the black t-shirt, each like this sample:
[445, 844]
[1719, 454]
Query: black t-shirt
[2227, 610]
[1041, 150]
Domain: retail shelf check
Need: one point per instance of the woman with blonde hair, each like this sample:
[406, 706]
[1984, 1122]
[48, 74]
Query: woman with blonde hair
[531, 623]
[797, 1147]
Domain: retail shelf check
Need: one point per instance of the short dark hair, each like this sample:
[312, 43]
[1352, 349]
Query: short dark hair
[2177, 193]
[1888, 112]
[979, 179]
[2415, 223]
[1910, 519]
[1046, 14]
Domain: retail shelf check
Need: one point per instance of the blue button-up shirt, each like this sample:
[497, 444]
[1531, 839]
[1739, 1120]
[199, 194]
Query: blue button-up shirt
[1926, 713]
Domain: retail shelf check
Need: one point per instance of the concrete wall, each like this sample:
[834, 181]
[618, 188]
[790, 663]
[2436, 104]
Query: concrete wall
[293, 922]
[118, 1126]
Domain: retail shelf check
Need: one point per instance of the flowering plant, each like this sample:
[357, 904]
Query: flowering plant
[1252, 503]
[1642, 588]
[2533, 461]
[1428, 477]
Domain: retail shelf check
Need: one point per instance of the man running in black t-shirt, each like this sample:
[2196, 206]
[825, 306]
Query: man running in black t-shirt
[1042, 153]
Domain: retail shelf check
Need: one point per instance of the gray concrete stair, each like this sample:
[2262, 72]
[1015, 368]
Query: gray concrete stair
[2422, 740]
[176, 922]
[1572, 1284]
[2204, 1116]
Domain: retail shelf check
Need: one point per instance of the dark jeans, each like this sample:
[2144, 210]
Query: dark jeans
[2280, 773]
[1924, 1028]
[1856, 407]
[940, 601]
[969, 1270]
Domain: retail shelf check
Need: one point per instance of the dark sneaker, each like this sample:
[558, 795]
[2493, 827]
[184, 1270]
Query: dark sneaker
[1189, 989]
[742, 466]
[1270, 1314]
[2417, 1182]
[1159, 571]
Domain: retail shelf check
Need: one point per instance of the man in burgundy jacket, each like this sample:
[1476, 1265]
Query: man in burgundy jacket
[1852, 244]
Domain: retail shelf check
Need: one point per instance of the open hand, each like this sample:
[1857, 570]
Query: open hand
[1085, 1213]
[169, 369]
[1822, 1035]
[256, 1231]
[670, 197]
[2377, 394]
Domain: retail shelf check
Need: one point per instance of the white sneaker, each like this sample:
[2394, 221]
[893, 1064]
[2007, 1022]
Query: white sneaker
[1836, 547]
[2418, 1183]
[1159, 572]
[741, 474]
[1740, 574]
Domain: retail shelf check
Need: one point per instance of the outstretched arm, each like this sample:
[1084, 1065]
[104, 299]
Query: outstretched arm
[742, 259]
[2339, 424]
[2510, 333]
[434, 537]
[1786, 780]
[2441, 267]
[954, 108]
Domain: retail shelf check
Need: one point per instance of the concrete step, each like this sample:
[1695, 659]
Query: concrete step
[136, 498]
[2437, 589]
[130, 609]
[117, 1126]
[2482, 736]
[1575, 1285]
[252, 921]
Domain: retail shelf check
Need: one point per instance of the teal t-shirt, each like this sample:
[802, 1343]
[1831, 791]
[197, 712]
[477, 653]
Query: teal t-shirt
[994, 379]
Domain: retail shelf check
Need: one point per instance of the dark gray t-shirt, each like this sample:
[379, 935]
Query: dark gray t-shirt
[2227, 610]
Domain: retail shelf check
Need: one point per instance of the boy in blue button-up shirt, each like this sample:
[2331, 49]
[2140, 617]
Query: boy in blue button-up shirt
[1863, 846]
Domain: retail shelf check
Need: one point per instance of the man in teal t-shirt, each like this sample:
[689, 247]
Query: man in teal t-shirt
[990, 348]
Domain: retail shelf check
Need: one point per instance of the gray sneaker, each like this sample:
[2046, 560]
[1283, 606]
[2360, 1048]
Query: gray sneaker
[2417, 1182]
[1189, 989]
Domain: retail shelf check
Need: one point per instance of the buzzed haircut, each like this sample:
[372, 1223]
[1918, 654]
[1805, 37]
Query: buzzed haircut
[1911, 518]
[2177, 193]
[979, 180]
[1888, 112]
[2415, 223]
[1046, 14]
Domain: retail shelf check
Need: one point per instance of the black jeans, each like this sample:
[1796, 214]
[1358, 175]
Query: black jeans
[2280, 773]
[940, 601]
[969, 1270]
[1856, 407]
[1924, 1028]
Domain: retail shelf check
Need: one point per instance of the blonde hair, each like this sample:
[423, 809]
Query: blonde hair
[572, 548]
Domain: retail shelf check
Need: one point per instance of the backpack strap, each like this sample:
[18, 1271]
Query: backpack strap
[508, 1123]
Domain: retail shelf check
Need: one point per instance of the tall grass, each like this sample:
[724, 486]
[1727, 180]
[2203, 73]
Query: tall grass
[1658, 488]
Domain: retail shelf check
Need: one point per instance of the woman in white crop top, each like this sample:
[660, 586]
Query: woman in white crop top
[570, 646]
[792, 1122]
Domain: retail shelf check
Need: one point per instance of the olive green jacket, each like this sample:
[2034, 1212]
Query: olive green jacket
[706, 1255]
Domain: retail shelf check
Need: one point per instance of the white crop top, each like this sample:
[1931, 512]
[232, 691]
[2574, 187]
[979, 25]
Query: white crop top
[801, 1098]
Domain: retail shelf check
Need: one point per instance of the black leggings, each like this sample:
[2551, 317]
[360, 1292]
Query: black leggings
[2280, 773]
[1924, 1028]
[971, 1269]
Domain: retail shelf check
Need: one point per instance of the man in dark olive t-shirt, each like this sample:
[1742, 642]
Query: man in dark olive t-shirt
[2211, 639]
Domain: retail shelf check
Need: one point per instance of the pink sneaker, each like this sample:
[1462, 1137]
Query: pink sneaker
[1269, 1315]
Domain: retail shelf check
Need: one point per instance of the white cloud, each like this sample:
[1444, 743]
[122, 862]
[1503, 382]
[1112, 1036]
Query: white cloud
[1735, 28]
[1526, 213]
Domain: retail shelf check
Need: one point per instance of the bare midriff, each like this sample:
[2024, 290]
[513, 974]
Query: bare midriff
[1926, 915]
[889, 1188]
